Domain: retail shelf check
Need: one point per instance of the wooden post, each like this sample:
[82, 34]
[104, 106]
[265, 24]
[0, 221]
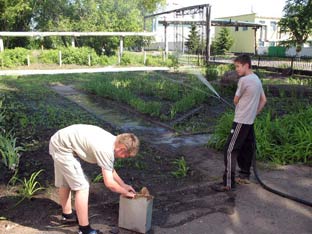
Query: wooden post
[144, 57]
[1, 45]
[73, 41]
[28, 60]
[121, 46]
[60, 58]
[89, 60]
[119, 59]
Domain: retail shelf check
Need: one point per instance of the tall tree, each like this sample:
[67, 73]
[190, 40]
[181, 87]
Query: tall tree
[224, 41]
[16, 15]
[76, 15]
[193, 41]
[297, 20]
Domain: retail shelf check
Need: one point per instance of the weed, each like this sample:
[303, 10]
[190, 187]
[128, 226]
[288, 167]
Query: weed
[182, 168]
[9, 151]
[30, 186]
[98, 178]
[13, 179]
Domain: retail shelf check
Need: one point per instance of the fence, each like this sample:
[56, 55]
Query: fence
[292, 64]
[280, 51]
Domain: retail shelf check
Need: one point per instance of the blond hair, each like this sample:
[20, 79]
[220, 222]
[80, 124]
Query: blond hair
[131, 142]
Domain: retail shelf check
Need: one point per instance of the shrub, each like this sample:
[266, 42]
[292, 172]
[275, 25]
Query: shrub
[14, 57]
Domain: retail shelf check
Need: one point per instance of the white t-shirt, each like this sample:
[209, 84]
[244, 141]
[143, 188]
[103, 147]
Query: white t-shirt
[249, 91]
[91, 143]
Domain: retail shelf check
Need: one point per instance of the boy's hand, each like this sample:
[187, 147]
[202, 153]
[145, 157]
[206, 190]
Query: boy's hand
[130, 194]
[129, 188]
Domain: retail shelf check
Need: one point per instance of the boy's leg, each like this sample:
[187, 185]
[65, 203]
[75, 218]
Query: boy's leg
[245, 157]
[65, 200]
[235, 142]
[231, 151]
[81, 205]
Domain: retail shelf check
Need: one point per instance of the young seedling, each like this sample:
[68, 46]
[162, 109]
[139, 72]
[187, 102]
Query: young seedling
[182, 168]
[30, 187]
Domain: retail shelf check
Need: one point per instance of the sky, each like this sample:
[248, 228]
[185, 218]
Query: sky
[223, 8]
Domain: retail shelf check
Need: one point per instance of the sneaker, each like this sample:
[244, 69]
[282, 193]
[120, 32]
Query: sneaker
[72, 219]
[242, 180]
[90, 231]
[219, 187]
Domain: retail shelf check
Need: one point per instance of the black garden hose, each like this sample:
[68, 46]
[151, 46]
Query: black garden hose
[266, 187]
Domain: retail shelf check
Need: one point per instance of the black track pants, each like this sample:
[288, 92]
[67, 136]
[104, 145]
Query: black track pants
[238, 148]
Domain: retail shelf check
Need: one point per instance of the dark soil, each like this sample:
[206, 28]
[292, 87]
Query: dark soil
[152, 168]
[171, 194]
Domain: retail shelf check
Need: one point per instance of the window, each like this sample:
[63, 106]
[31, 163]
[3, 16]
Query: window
[273, 25]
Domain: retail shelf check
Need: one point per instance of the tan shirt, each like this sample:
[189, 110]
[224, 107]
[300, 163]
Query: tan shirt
[249, 91]
[91, 143]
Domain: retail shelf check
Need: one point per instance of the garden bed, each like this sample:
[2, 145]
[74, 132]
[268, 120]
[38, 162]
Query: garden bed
[34, 112]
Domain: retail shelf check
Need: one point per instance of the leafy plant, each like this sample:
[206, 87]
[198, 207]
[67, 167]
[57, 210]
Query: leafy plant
[9, 151]
[182, 168]
[98, 178]
[30, 186]
[13, 179]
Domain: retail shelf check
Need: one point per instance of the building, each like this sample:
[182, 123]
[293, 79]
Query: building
[249, 40]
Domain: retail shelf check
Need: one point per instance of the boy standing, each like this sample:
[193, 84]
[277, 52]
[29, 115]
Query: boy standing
[249, 100]
[94, 145]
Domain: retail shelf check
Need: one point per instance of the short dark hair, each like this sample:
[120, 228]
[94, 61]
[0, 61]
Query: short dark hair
[243, 59]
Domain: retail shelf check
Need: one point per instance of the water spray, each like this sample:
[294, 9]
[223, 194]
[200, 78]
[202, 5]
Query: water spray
[206, 82]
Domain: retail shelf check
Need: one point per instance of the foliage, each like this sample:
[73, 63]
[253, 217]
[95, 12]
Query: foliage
[214, 71]
[78, 15]
[181, 168]
[297, 20]
[130, 89]
[49, 56]
[79, 56]
[14, 57]
[282, 140]
[9, 151]
[193, 42]
[30, 187]
[221, 132]
[98, 178]
[224, 41]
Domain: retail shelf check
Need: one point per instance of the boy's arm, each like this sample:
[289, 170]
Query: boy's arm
[236, 100]
[262, 103]
[113, 185]
[121, 182]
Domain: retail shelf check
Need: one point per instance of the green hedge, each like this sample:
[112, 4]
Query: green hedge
[14, 57]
